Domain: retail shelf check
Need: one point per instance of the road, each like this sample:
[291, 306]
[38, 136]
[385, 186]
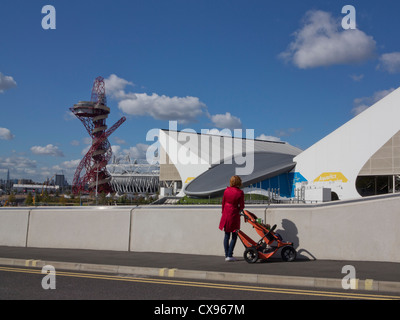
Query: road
[19, 283]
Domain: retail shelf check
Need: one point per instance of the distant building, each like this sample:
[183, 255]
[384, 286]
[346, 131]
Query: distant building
[134, 177]
[360, 158]
[61, 181]
[33, 187]
[8, 181]
[25, 181]
[200, 165]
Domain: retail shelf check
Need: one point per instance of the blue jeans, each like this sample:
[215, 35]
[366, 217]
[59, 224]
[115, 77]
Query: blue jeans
[229, 246]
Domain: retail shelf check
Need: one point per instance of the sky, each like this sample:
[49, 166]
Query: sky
[289, 70]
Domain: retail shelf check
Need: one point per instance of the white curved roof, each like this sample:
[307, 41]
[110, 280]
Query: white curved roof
[345, 151]
[214, 181]
[193, 154]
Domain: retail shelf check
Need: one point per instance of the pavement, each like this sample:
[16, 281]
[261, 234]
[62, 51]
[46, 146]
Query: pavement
[372, 276]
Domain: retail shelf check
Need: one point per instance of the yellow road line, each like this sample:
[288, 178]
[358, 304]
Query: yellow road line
[209, 285]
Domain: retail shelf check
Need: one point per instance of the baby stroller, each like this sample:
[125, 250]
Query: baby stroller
[266, 247]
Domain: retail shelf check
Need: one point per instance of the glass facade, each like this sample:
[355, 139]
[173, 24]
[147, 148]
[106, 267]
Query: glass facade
[284, 182]
[382, 170]
[375, 185]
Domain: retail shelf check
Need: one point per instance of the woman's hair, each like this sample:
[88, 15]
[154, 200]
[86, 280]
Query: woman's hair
[235, 181]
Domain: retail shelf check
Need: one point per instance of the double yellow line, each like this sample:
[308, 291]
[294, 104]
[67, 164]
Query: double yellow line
[332, 294]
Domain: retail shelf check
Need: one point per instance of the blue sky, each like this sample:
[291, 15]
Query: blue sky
[286, 69]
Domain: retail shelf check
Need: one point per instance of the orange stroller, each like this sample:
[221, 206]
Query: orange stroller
[266, 247]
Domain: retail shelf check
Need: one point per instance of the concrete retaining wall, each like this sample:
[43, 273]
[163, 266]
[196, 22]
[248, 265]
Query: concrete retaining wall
[75, 228]
[363, 231]
[13, 227]
[97, 229]
[181, 229]
[360, 230]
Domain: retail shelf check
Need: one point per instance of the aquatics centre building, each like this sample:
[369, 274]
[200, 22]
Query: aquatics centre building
[360, 158]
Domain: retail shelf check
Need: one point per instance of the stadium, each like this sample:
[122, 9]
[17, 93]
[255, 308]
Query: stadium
[133, 176]
[360, 158]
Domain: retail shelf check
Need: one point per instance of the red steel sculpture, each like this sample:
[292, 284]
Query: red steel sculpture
[93, 115]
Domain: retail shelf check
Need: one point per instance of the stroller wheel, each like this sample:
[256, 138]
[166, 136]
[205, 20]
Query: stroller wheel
[250, 255]
[288, 253]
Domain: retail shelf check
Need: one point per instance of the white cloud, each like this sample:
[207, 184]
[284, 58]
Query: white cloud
[87, 140]
[22, 167]
[361, 104]
[17, 162]
[5, 134]
[68, 116]
[390, 62]
[323, 42]
[49, 150]
[66, 167]
[119, 140]
[115, 86]
[6, 82]
[116, 149]
[85, 150]
[357, 77]
[70, 164]
[182, 109]
[268, 138]
[226, 121]
[139, 151]
[160, 107]
[136, 152]
[19, 166]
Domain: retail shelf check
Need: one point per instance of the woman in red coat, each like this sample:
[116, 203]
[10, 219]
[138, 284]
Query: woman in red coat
[232, 204]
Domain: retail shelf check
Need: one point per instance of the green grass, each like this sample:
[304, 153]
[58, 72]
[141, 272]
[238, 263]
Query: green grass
[218, 200]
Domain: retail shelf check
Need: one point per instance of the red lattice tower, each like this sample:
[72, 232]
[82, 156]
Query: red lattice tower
[93, 115]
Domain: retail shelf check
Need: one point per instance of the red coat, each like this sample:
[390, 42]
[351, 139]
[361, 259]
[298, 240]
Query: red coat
[232, 204]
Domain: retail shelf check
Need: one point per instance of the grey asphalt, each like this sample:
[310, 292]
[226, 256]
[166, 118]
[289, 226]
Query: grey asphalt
[377, 276]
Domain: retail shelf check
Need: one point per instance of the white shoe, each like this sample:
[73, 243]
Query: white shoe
[230, 259]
